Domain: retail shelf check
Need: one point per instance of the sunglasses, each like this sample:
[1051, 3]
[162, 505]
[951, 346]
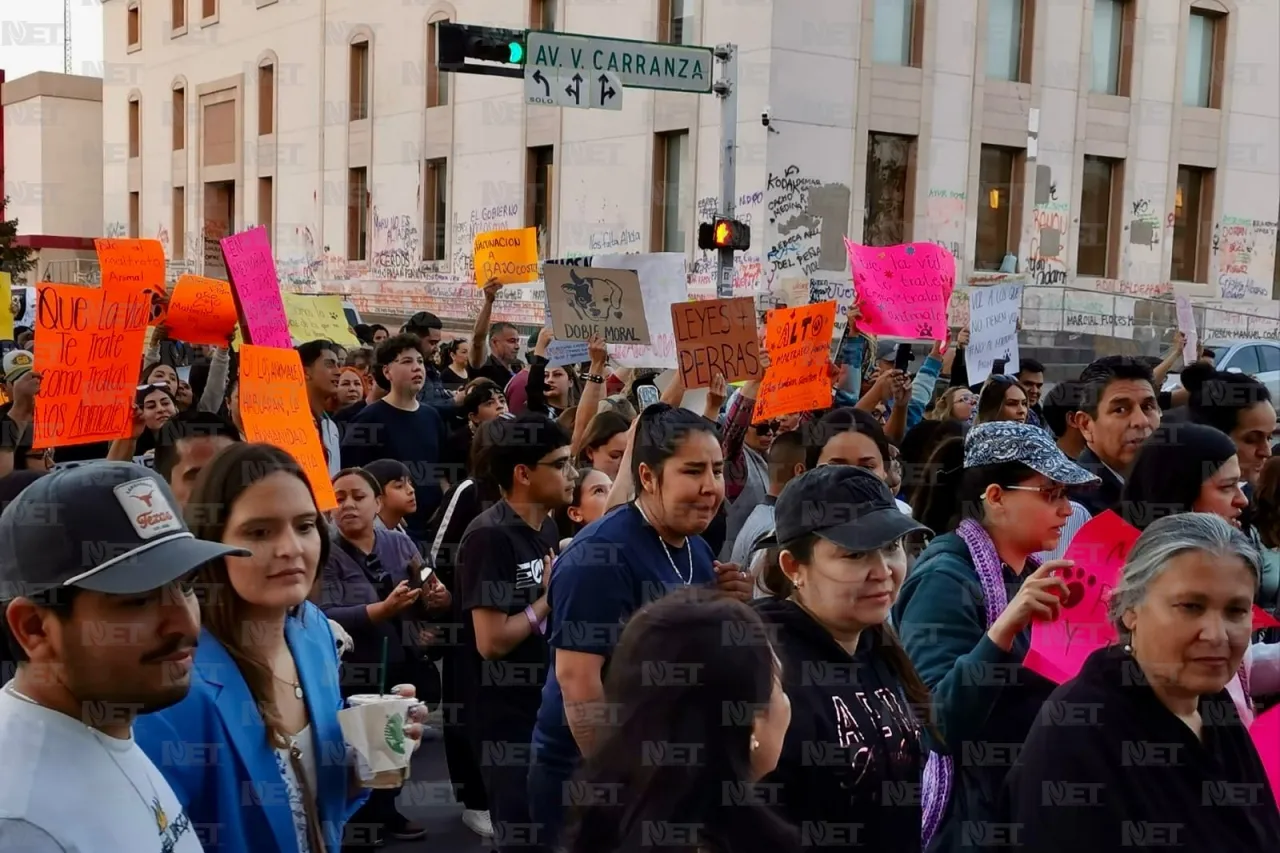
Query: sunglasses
[769, 428]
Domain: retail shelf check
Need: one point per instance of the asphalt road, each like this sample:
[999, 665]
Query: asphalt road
[427, 798]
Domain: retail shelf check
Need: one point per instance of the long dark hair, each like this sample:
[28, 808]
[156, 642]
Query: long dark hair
[991, 400]
[837, 422]
[1170, 469]
[659, 435]
[692, 668]
[952, 492]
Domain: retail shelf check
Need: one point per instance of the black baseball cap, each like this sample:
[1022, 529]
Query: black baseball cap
[110, 527]
[843, 504]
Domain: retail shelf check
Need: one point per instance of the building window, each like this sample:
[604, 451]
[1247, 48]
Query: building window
[675, 21]
[1112, 46]
[208, 9]
[135, 128]
[437, 80]
[543, 14]
[1006, 30]
[997, 177]
[1097, 249]
[670, 168]
[435, 214]
[890, 187]
[894, 32]
[135, 213]
[266, 204]
[1192, 202]
[134, 27]
[359, 95]
[179, 238]
[1200, 80]
[266, 99]
[539, 179]
[179, 14]
[357, 214]
[179, 119]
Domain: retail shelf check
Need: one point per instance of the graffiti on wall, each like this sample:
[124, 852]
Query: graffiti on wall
[1144, 224]
[1049, 222]
[799, 206]
[1244, 257]
[944, 220]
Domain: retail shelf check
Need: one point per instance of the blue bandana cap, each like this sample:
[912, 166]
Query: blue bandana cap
[997, 442]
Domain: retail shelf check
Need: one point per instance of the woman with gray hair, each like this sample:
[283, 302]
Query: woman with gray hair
[1145, 747]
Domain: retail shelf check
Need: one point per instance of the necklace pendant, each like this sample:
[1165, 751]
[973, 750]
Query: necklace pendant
[297, 691]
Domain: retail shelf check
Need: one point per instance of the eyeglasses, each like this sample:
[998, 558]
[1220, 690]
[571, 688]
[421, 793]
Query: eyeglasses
[563, 464]
[769, 428]
[1053, 494]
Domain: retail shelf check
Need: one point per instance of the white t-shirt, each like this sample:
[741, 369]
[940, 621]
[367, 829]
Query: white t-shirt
[66, 788]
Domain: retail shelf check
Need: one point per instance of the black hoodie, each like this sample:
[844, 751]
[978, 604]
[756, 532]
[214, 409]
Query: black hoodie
[849, 773]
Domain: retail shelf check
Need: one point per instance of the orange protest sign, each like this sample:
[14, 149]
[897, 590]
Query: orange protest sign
[798, 341]
[88, 347]
[275, 410]
[509, 256]
[134, 264]
[201, 311]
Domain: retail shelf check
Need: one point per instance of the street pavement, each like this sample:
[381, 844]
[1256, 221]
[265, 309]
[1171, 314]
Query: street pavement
[427, 799]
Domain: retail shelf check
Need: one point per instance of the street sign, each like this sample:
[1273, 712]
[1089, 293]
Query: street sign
[637, 64]
[573, 90]
[538, 87]
[606, 92]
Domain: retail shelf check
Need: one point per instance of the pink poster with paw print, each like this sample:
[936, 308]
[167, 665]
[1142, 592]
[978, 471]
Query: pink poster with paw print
[1266, 737]
[903, 291]
[1058, 649]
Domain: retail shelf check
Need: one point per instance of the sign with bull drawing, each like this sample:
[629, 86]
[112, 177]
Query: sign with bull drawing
[588, 301]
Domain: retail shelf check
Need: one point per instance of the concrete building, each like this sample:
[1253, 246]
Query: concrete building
[52, 168]
[1120, 149]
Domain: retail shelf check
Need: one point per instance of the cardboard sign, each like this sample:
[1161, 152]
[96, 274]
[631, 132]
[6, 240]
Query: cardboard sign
[588, 301]
[993, 329]
[716, 336]
[313, 318]
[1099, 549]
[664, 280]
[1187, 325]
[8, 310]
[276, 411]
[137, 264]
[509, 256]
[799, 377]
[1265, 732]
[903, 290]
[257, 290]
[201, 311]
[88, 348]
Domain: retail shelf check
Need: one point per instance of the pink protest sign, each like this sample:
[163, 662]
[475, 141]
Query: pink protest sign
[903, 291]
[1058, 649]
[1266, 737]
[252, 270]
[1262, 620]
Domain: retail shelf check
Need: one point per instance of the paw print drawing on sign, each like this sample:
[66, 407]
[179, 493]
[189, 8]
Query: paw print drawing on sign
[1078, 583]
[925, 330]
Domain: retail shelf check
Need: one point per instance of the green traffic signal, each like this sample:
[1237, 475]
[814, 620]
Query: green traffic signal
[517, 52]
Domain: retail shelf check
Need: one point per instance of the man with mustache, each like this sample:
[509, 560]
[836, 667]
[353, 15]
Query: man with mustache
[101, 618]
[1118, 412]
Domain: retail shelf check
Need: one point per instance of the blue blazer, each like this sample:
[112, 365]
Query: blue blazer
[212, 747]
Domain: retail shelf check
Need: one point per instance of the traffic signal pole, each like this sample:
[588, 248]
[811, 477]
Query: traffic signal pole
[726, 89]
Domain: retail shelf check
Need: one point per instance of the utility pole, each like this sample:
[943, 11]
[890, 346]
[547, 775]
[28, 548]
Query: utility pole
[726, 89]
[66, 36]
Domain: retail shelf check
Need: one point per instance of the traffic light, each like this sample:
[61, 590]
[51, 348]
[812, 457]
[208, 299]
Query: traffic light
[461, 46]
[724, 234]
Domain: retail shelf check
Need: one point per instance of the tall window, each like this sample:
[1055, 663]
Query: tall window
[437, 80]
[133, 26]
[539, 179]
[179, 119]
[208, 9]
[266, 207]
[359, 96]
[135, 128]
[670, 163]
[436, 211]
[179, 14]
[135, 213]
[179, 241]
[543, 14]
[357, 214]
[1198, 80]
[1108, 45]
[889, 189]
[1004, 39]
[997, 171]
[894, 31]
[1094, 253]
[1192, 200]
[674, 22]
[266, 99]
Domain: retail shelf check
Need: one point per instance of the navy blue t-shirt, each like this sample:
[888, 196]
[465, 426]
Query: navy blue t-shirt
[381, 431]
[610, 570]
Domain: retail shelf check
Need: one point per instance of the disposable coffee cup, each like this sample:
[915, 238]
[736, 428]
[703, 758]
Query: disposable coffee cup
[374, 725]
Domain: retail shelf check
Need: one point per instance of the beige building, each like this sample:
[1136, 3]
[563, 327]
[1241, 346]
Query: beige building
[1119, 149]
[53, 169]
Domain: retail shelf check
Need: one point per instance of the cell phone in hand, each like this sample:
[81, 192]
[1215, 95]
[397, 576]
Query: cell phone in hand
[419, 574]
[902, 358]
[997, 366]
[647, 395]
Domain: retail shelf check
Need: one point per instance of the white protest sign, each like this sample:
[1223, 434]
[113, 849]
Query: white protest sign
[663, 282]
[993, 329]
[1187, 325]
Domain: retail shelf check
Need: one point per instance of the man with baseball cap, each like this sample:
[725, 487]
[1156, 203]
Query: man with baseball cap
[100, 616]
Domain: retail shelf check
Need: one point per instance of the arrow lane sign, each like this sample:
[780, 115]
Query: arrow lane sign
[546, 84]
[606, 91]
[576, 89]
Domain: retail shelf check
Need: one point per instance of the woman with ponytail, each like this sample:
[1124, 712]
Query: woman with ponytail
[854, 693]
[965, 613]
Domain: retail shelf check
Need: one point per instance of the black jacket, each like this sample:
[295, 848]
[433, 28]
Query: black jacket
[849, 773]
[1108, 767]
[1107, 495]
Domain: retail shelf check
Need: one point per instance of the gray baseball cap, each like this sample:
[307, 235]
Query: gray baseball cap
[110, 527]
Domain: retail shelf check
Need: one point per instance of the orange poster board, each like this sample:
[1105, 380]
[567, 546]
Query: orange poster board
[509, 256]
[798, 341]
[275, 410]
[88, 351]
[201, 311]
[135, 264]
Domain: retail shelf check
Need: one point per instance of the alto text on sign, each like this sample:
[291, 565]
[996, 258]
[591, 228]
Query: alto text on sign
[638, 64]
